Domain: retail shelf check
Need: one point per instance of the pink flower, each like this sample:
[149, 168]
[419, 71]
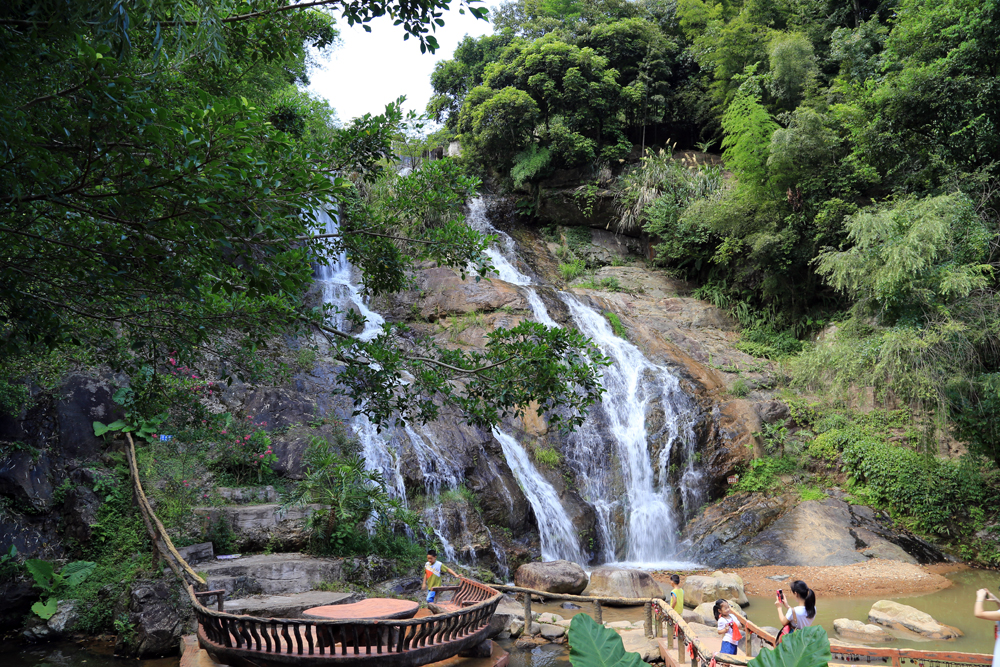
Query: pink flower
[223, 431]
[246, 437]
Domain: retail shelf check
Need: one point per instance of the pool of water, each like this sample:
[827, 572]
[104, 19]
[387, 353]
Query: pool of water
[71, 654]
[951, 606]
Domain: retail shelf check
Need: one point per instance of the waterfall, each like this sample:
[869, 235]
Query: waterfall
[632, 383]
[340, 290]
[559, 539]
[634, 504]
[621, 463]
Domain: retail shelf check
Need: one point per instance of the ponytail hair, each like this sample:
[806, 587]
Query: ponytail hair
[716, 609]
[800, 588]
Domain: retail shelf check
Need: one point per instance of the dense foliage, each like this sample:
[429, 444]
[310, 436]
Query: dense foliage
[161, 197]
[861, 143]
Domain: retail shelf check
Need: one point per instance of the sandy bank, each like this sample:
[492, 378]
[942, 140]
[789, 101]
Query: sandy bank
[869, 579]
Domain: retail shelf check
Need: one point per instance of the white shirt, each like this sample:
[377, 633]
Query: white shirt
[724, 624]
[799, 619]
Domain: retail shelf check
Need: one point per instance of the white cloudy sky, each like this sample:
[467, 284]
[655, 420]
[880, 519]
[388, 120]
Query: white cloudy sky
[369, 70]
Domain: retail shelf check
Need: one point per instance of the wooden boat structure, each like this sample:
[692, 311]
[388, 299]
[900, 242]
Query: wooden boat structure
[248, 641]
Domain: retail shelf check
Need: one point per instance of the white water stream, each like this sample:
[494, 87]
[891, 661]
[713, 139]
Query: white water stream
[621, 459]
[634, 503]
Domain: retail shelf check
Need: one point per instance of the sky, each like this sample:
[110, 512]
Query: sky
[369, 70]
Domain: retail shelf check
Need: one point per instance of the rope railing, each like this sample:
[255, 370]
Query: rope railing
[162, 543]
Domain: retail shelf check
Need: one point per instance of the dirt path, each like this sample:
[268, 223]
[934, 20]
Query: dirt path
[870, 579]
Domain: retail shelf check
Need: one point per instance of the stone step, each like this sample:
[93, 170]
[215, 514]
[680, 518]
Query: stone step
[271, 574]
[288, 606]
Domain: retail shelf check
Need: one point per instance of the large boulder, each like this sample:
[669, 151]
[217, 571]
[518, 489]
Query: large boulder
[747, 530]
[557, 576]
[861, 632]
[157, 617]
[60, 624]
[698, 589]
[616, 582]
[904, 618]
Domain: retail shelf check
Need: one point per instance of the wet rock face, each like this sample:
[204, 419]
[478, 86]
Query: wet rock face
[557, 576]
[80, 512]
[746, 530]
[82, 400]
[157, 616]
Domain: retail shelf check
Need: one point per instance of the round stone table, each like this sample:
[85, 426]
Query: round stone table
[374, 608]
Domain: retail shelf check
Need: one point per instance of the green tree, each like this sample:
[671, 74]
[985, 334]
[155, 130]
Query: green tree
[748, 127]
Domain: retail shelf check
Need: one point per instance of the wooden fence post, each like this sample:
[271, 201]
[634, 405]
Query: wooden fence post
[670, 632]
[598, 614]
[648, 625]
[527, 614]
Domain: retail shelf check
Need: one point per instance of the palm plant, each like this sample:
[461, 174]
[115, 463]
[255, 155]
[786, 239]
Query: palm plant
[351, 494]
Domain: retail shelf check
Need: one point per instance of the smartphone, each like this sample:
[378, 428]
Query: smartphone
[781, 596]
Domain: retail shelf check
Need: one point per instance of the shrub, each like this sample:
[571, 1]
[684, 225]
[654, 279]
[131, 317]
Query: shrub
[548, 456]
[572, 270]
[768, 343]
[244, 454]
[762, 474]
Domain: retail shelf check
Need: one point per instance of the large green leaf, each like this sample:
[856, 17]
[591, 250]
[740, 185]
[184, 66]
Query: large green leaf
[808, 647]
[42, 572]
[593, 645]
[77, 571]
[47, 610]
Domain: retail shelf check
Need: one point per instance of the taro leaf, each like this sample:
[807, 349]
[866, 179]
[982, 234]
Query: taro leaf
[593, 645]
[77, 571]
[101, 429]
[808, 647]
[47, 610]
[43, 573]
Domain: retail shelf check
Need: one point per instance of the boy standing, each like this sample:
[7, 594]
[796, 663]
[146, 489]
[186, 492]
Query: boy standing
[432, 574]
[677, 595]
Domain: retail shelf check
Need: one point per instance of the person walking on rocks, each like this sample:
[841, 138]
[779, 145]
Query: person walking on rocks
[729, 626]
[801, 615]
[432, 574]
[981, 596]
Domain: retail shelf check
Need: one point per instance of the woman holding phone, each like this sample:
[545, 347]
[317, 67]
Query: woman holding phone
[981, 596]
[798, 616]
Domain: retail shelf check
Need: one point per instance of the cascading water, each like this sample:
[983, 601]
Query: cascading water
[632, 498]
[559, 540]
[633, 501]
[632, 383]
[340, 290]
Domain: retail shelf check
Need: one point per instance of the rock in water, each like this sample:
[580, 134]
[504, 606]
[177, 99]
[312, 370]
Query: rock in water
[615, 582]
[860, 631]
[699, 589]
[905, 618]
[557, 576]
[569, 605]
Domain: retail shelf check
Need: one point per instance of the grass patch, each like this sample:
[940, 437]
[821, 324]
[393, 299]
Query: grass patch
[807, 492]
[607, 284]
[572, 270]
[740, 388]
[548, 456]
[616, 324]
[763, 474]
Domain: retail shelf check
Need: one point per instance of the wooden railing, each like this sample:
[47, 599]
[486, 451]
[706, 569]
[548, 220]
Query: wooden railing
[597, 602]
[235, 639]
[758, 638]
